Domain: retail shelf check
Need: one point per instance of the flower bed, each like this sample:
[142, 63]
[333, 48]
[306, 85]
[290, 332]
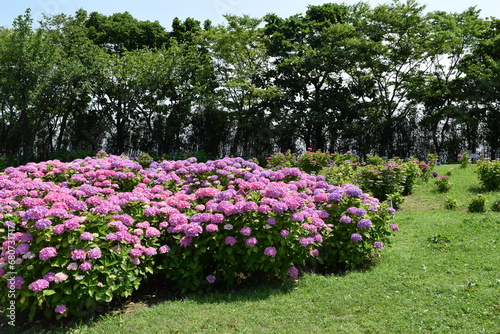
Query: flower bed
[82, 233]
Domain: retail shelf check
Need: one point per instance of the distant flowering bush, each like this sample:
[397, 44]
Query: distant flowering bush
[282, 160]
[464, 160]
[314, 162]
[488, 172]
[84, 232]
[443, 183]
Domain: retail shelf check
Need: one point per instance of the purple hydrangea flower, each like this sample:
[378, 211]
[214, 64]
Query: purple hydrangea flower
[270, 251]
[60, 309]
[356, 237]
[364, 223]
[378, 244]
[284, 233]
[353, 192]
[345, 219]
[293, 272]
[43, 223]
[360, 212]
[210, 279]
[231, 241]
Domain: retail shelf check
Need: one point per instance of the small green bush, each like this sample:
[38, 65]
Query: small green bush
[450, 203]
[488, 172]
[282, 160]
[495, 206]
[314, 161]
[478, 204]
[464, 160]
[443, 183]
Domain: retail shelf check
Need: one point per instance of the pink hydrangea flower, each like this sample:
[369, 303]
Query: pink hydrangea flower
[39, 285]
[270, 251]
[47, 253]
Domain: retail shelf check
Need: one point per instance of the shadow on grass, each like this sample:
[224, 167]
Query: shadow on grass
[154, 291]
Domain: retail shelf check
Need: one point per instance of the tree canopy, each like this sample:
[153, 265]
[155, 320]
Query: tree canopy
[390, 80]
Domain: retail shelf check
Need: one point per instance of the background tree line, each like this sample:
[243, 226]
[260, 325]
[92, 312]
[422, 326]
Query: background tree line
[387, 80]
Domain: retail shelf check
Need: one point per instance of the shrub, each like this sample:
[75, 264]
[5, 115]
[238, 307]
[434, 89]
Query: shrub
[282, 160]
[443, 183]
[85, 232]
[464, 160]
[495, 206]
[488, 172]
[314, 162]
[450, 203]
[477, 204]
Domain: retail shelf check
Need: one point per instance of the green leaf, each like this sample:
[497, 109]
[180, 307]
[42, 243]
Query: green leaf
[48, 292]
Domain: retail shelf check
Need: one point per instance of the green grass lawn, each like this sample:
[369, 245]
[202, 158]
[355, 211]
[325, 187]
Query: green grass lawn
[441, 274]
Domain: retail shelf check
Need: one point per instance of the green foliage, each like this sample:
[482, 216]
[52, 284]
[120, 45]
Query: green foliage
[282, 160]
[464, 160]
[443, 183]
[450, 203]
[495, 205]
[314, 162]
[488, 172]
[477, 204]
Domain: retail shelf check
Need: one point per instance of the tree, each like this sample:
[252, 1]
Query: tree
[312, 58]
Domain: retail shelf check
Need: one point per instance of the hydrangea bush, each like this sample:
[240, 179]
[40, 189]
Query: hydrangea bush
[81, 233]
[488, 172]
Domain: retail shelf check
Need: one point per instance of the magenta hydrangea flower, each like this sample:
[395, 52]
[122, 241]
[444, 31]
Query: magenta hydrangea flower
[94, 253]
[86, 265]
[246, 231]
[231, 241]
[270, 251]
[60, 309]
[78, 254]
[47, 253]
[87, 236]
[284, 233]
[152, 232]
[394, 227]
[212, 228]
[39, 285]
[185, 241]
[251, 242]
[164, 249]
[314, 252]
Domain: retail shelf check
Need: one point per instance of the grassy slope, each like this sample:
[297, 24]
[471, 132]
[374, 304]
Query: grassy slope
[440, 275]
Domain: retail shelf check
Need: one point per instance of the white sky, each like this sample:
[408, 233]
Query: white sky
[165, 11]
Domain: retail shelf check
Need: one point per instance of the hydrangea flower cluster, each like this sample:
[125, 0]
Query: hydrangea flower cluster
[87, 231]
